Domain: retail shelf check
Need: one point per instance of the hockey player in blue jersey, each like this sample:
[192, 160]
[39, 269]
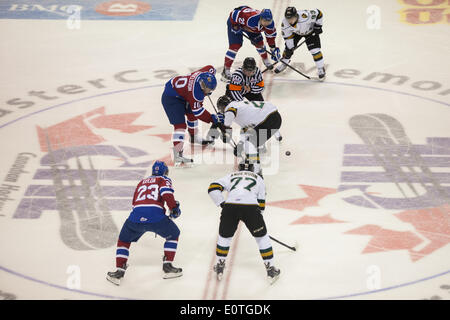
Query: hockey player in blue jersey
[183, 97]
[149, 215]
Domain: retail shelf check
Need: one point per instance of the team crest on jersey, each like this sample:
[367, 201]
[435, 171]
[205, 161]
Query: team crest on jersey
[402, 205]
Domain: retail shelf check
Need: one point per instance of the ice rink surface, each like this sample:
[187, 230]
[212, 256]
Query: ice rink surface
[365, 192]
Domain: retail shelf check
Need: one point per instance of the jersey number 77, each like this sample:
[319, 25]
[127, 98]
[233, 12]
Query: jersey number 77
[238, 180]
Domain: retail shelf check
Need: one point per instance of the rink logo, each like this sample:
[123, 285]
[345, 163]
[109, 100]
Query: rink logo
[420, 12]
[99, 10]
[123, 8]
[387, 172]
[84, 178]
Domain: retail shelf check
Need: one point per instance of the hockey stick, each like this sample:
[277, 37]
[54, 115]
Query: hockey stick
[273, 64]
[283, 244]
[307, 77]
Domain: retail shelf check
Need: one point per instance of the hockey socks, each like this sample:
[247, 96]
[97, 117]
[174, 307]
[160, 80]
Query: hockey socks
[122, 254]
[170, 248]
[265, 249]
[222, 248]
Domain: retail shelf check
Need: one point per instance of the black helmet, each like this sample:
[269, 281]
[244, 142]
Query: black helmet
[246, 166]
[290, 12]
[249, 64]
[222, 102]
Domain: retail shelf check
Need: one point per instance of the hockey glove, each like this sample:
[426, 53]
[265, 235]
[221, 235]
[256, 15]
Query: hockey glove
[275, 51]
[175, 212]
[317, 29]
[217, 118]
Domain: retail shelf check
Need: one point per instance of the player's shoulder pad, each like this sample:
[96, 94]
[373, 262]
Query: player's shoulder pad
[231, 107]
[166, 179]
[319, 14]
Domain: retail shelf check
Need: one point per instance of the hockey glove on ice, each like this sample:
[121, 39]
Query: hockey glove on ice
[175, 212]
[275, 51]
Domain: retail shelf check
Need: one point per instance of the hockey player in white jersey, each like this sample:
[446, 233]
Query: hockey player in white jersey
[245, 202]
[295, 26]
[259, 120]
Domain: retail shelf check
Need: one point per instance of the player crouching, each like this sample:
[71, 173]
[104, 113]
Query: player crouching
[259, 120]
[148, 215]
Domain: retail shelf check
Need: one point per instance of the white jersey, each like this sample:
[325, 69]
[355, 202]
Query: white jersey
[244, 187]
[248, 113]
[304, 26]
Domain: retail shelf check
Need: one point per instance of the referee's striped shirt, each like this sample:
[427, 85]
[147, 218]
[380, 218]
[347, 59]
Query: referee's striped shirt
[239, 80]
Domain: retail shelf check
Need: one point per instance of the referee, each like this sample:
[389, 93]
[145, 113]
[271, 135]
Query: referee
[246, 82]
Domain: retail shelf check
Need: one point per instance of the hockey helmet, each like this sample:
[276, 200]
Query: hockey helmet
[159, 168]
[223, 102]
[290, 12]
[209, 80]
[249, 64]
[246, 166]
[266, 14]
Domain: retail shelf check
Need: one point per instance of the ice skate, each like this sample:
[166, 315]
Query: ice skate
[116, 276]
[272, 273]
[218, 269]
[226, 75]
[268, 64]
[180, 161]
[170, 271]
[321, 73]
[282, 66]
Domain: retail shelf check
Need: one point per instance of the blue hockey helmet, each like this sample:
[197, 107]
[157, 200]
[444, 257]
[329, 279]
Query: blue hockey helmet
[208, 79]
[159, 168]
[266, 14]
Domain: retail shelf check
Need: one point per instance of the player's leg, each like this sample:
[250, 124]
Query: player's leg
[258, 42]
[314, 46]
[234, 44]
[229, 221]
[167, 229]
[254, 222]
[249, 145]
[287, 54]
[130, 232]
[192, 125]
[267, 128]
[175, 110]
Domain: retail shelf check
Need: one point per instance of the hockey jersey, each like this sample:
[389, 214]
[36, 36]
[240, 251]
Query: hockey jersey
[247, 113]
[188, 89]
[149, 197]
[244, 187]
[239, 81]
[248, 19]
[304, 26]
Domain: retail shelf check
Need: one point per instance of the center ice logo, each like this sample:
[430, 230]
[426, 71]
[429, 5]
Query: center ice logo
[396, 191]
[86, 173]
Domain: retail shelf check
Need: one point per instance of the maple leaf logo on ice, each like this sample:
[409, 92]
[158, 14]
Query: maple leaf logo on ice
[403, 206]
